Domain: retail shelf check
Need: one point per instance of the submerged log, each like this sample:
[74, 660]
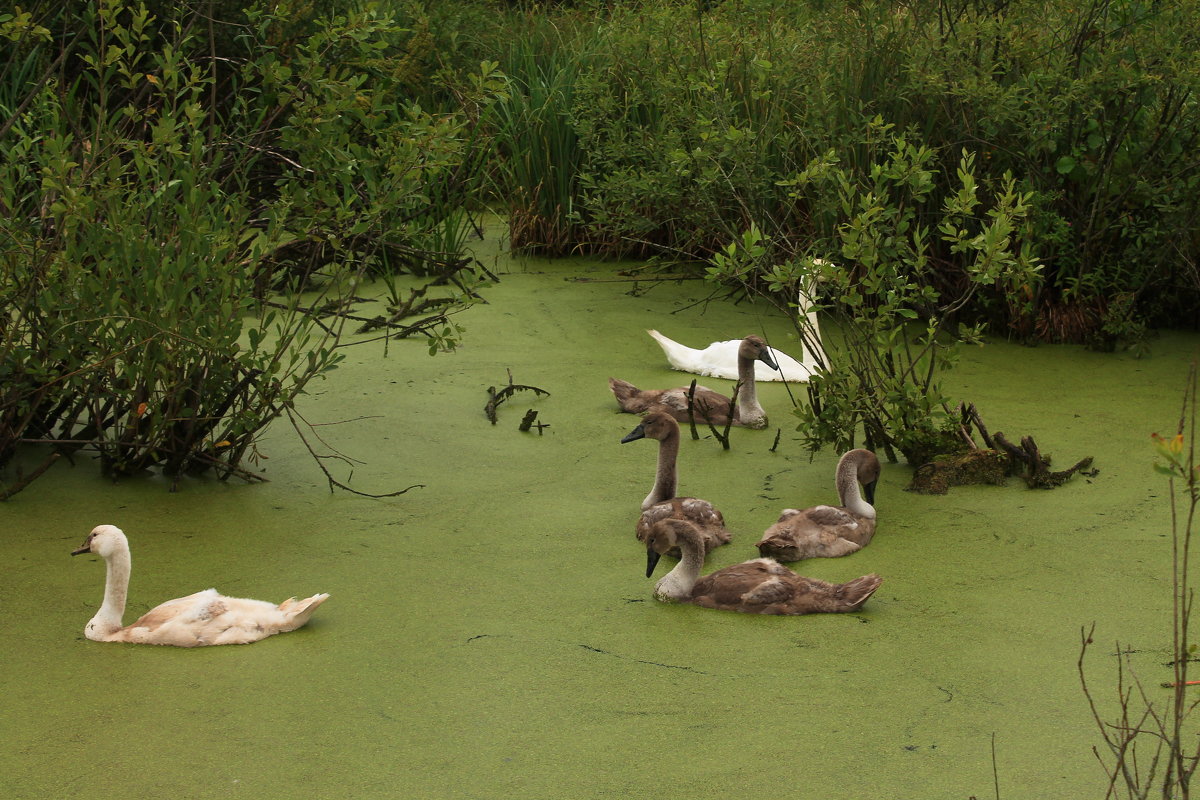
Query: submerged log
[1037, 472]
[961, 469]
[992, 464]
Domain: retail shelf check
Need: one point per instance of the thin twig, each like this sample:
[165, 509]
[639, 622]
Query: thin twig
[25, 480]
[333, 481]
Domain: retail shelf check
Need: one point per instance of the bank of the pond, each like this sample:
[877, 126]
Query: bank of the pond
[491, 635]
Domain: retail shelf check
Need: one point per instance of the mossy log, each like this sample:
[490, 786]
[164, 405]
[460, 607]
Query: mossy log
[961, 469]
[1036, 470]
[992, 464]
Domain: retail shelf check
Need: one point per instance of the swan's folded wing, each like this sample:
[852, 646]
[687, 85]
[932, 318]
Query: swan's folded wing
[830, 517]
[199, 603]
[727, 587]
[773, 590]
[700, 511]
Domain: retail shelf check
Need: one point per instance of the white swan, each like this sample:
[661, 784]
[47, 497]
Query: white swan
[720, 359]
[202, 618]
[707, 405]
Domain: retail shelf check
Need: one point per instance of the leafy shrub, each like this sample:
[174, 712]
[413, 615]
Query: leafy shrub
[883, 271]
[149, 225]
[686, 118]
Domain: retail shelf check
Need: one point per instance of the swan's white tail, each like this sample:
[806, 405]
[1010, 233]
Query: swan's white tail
[299, 611]
[674, 351]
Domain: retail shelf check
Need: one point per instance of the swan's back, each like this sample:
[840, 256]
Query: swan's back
[701, 513]
[210, 618]
[720, 360]
[817, 532]
[764, 586]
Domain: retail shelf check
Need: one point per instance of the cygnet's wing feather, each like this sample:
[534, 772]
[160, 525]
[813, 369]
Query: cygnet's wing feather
[726, 587]
[830, 517]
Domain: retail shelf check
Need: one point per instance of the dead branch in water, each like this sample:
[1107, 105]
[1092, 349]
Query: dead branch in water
[1037, 467]
[24, 480]
[291, 415]
[703, 407]
[530, 421]
[495, 398]
[992, 463]
[691, 409]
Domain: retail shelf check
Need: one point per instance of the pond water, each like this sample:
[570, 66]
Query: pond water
[492, 634]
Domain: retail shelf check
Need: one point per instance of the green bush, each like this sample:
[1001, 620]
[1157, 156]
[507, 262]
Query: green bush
[686, 118]
[882, 273]
[150, 229]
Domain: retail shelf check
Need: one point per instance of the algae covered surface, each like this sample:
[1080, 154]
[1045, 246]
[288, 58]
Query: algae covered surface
[492, 635]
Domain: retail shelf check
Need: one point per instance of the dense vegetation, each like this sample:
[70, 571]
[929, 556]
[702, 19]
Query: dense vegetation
[917, 169]
[173, 178]
[668, 130]
[189, 203]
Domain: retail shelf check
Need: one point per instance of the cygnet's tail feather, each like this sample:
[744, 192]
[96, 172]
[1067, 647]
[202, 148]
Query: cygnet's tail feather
[301, 610]
[856, 592]
[627, 396]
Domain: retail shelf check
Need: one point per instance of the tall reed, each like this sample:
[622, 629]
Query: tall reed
[538, 157]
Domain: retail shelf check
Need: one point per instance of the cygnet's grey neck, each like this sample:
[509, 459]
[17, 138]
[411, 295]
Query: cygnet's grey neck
[665, 476]
[747, 408]
[848, 491]
[678, 583]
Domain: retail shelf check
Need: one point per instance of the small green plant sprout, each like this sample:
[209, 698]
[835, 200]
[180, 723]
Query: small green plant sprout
[1172, 451]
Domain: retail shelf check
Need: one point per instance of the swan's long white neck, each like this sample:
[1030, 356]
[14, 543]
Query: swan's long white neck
[848, 491]
[665, 476]
[749, 410]
[679, 582]
[810, 338]
[116, 588]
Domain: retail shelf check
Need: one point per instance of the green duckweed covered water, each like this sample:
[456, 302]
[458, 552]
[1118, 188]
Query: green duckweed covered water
[492, 635]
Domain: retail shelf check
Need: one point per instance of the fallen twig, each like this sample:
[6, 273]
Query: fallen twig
[25, 480]
[495, 398]
[291, 415]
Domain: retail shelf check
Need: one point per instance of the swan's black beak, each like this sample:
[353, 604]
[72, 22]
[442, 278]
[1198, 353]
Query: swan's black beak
[869, 491]
[652, 557]
[87, 548]
[766, 357]
[637, 433]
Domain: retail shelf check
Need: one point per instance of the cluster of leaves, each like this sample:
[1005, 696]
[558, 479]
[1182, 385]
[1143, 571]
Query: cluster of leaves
[896, 241]
[163, 208]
